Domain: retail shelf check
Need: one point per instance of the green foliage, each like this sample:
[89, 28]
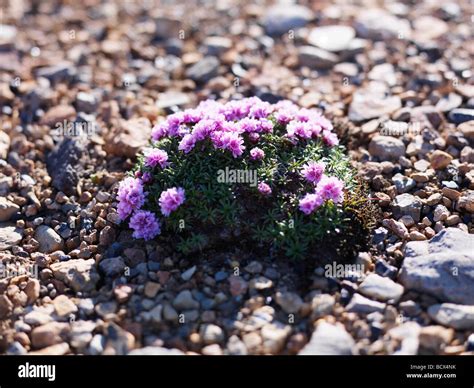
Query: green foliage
[227, 214]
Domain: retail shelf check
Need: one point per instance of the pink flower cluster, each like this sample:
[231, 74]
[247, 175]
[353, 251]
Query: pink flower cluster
[226, 124]
[131, 197]
[155, 157]
[171, 199]
[228, 127]
[327, 188]
[313, 172]
[145, 225]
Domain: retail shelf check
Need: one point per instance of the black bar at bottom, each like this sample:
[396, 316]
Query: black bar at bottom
[137, 371]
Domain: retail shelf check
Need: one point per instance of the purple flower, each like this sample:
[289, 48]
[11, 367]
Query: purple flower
[254, 137]
[236, 110]
[260, 110]
[256, 153]
[174, 122]
[310, 202]
[330, 138]
[284, 116]
[264, 189]
[159, 131]
[307, 115]
[130, 196]
[146, 177]
[300, 129]
[323, 122]
[171, 199]
[144, 224]
[313, 172]
[265, 126]
[248, 125]
[192, 116]
[234, 143]
[217, 139]
[187, 143]
[155, 157]
[331, 188]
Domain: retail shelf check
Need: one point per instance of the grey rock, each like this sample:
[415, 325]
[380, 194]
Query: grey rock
[4, 142]
[155, 314]
[331, 38]
[112, 267]
[410, 308]
[322, 305]
[378, 24]
[329, 340]
[79, 274]
[403, 183]
[370, 104]
[81, 334]
[7, 36]
[274, 336]
[236, 347]
[384, 72]
[86, 102]
[459, 116]
[97, 345]
[254, 267]
[86, 306]
[408, 334]
[456, 316]
[49, 241]
[316, 58]
[449, 102]
[155, 351]
[362, 305]
[169, 313]
[203, 70]
[106, 310]
[10, 235]
[188, 274]
[407, 205]
[216, 45]
[185, 301]
[64, 164]
[38, 317]
[280, 19]
[386, 147]
[167, 27]
[211, 334]
[172, 98]
[7, 209]
[381, 288]
[61, 72]
[16, 349]
[442, 266]
[290, 302]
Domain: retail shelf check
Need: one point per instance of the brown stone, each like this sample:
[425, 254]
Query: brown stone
[48, 334]
[32, 290]
[440, 159]
[129, 138]
[467, 129]
[6, 307]
[57, 115]
[451, 194]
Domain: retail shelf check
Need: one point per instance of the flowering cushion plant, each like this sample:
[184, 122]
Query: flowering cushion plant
[248, 172]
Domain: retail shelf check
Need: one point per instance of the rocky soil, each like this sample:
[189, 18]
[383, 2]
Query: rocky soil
[82, 83]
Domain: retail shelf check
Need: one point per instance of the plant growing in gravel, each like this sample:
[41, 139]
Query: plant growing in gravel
[264, 176]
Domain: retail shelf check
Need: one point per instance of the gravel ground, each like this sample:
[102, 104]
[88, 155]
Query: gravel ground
[398, 83]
